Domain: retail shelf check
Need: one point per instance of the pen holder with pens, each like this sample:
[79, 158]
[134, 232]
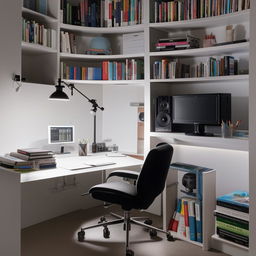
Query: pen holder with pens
[228, 128]
[82, 151]
[226, 131]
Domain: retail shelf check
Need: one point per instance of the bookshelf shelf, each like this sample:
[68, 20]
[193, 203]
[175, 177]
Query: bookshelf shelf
[36, 49]
[98, 30]
[216, 237]
[70, 56]
[240, 144]
[233, 18]
[201, 79]
[107, 82]
[37, 15]
[215, 50]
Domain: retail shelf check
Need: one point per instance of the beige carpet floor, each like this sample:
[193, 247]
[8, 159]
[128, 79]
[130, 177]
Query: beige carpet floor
[58, 237]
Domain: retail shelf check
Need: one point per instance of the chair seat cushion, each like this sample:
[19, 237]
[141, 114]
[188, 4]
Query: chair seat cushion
[121, 193]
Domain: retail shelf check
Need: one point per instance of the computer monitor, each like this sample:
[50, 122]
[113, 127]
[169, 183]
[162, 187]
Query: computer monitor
[61, 135]
[201, 110]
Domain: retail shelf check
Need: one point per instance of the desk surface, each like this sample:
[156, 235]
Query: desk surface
[119, 162]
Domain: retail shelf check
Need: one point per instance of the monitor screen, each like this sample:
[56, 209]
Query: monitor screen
[60, 134]
[196, 108]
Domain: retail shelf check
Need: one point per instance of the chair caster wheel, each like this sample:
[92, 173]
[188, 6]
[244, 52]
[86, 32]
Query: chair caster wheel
[106, 233]
[129, 253]
[102, 219]
[148, 222]
[80, 236]
[152, 233]
[170, 238]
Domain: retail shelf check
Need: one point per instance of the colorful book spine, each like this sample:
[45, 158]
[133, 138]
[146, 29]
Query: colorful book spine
[199, 229]
[192, 220]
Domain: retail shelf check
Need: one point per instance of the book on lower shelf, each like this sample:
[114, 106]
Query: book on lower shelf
[187, 221]
[232, 217]
[130, 69]
[169, 10]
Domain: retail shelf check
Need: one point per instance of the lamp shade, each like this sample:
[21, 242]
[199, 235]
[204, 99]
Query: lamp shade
[59, 94]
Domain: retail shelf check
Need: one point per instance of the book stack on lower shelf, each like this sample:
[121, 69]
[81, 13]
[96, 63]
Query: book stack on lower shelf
[31, 159]
[186, 221]
[232, 217]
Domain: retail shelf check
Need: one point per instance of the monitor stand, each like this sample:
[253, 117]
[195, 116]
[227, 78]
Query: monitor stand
[62, 151]
[199, 131]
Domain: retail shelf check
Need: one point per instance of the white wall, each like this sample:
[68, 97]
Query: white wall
[26, 115]
[119, 118]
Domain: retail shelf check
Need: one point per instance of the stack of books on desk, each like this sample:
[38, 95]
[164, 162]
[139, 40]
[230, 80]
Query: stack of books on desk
[16, 164]
[40, 158]
[232, 217]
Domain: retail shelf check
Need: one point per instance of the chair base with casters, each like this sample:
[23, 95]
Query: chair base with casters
[127, 221]
[150, 183]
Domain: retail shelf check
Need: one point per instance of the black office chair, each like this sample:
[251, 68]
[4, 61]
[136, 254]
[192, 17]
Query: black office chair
[150, 183]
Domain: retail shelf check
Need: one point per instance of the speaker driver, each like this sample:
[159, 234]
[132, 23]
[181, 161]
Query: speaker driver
[163, 119]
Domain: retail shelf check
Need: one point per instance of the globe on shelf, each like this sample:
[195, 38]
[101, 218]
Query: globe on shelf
[99, 46]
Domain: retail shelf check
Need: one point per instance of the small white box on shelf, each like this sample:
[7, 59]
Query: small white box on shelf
[133, 43]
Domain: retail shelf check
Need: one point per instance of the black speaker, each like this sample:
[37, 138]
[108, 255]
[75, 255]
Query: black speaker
[163, 118]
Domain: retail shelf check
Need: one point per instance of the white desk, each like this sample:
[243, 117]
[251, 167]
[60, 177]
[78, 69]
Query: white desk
[10, 193]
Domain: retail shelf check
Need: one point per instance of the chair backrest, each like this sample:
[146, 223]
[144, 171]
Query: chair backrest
[153, 174]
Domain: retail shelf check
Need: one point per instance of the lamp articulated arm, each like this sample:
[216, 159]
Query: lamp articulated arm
[72, 87]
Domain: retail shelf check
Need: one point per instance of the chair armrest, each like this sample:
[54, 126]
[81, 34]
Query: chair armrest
[124, 174]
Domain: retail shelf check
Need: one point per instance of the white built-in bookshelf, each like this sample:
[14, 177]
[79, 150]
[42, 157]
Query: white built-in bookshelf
[36, 56]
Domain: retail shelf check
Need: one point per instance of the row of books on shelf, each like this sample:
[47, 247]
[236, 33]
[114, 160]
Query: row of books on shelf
[213, 66]
[33, 32]
[68, 42]
[131, 69]
[25, 160]
[169, 10]
[102, 13]
[232, 217]
[36, 5]
[186, 221]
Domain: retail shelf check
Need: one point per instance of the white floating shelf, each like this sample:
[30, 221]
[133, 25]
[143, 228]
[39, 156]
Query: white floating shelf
[100, 57]
[36, 49]
[201, 79]
[240, 144]
[232, 18]
[37, 15]
[99, 30]
[216, 237]
[208, 51]
[107, 82]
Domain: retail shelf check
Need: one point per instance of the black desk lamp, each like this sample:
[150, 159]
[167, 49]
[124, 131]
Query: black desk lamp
[59, 94]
